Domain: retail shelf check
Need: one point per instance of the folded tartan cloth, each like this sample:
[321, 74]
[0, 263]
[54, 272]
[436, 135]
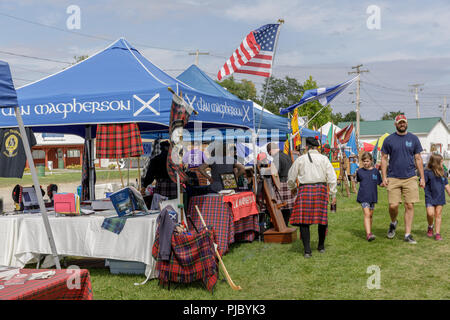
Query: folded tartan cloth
[116, 224]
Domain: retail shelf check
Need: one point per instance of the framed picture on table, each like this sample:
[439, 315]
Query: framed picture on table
[228, 181]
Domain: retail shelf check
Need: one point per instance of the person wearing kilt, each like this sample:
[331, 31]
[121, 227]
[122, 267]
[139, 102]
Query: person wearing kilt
[312, 171]
[282, 163]
[157, 170]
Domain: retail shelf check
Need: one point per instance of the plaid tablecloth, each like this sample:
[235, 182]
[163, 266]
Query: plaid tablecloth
[218, 213]
[54, 288]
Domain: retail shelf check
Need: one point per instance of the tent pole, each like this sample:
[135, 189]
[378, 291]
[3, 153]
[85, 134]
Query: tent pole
[91, 166]
[255, 156]
[120, 172]
[139, 172]
[37, 187]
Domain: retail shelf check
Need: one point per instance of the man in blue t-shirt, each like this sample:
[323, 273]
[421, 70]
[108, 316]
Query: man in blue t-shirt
[403, 149]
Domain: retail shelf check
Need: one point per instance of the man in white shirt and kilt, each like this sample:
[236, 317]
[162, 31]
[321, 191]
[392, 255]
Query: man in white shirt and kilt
[312, 171]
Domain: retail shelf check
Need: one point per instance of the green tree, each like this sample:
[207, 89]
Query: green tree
[348, 117]
[281, 93]
[336, 118]
[311, 109]
[80, 58]
[244, 89]
[391, 115]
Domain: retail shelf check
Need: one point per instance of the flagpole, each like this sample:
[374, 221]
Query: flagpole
[281, 21]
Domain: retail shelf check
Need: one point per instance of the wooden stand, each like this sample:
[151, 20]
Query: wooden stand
[280, 233]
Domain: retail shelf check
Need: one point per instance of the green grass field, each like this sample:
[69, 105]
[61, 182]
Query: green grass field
[276, 271]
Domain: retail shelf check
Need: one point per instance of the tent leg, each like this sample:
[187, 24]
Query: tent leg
[91, 166]
[37, 187]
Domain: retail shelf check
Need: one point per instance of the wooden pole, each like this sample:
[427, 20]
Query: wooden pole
[120, 172]
[222, 265]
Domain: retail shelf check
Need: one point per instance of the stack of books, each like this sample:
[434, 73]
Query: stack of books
[67, 203]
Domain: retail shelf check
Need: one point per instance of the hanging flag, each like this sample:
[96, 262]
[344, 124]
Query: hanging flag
[286, 147]
[330, 139]
[179, 117]
[323, 95]
[375, 152]
[296, 135]
[343, 135]
[255, 53]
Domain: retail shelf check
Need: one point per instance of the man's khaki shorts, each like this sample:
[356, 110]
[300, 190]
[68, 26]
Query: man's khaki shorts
[403, 190]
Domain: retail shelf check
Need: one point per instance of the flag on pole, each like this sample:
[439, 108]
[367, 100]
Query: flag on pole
[343, 135]
[295, 132]
[254, 55]
[323, 95]
[375, 152]
[330, 139]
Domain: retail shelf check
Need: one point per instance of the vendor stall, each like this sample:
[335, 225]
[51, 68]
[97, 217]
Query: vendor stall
[233, 218]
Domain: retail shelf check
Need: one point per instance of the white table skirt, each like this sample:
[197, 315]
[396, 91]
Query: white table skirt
[23, 238]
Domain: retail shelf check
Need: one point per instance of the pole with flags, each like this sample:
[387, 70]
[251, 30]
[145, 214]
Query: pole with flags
[280, 21]
[255, 55]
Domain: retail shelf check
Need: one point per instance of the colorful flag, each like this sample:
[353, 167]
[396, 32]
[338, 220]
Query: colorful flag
[375, 152]
[343, 135]
[286, 146]
[254, 55]
[330, 139]
[323, 95]
[295, 132]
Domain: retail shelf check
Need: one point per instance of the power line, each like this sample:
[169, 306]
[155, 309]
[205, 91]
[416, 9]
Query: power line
[32, 57]
[83, 34]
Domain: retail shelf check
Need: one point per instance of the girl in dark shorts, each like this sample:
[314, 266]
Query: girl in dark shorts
[435, 186]
[369, 178]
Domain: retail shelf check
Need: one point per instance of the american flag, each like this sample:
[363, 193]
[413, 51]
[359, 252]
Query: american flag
[258, 46]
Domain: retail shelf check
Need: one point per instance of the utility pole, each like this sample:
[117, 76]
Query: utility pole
[416, 96]
[358, 100]
[444, 110]
[196, 54]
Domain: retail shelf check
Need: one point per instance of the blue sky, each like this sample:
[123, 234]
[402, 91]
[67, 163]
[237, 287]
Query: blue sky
[319, 38]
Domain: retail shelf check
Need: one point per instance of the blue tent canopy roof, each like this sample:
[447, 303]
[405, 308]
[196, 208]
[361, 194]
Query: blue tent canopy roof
[118, 85]
[199, 80]
[8, 96]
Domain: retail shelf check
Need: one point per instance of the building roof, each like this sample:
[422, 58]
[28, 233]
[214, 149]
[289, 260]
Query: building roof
[379, 127]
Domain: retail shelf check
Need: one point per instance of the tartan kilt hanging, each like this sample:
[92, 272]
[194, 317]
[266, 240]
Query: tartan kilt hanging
[118, 141]
[311, 205]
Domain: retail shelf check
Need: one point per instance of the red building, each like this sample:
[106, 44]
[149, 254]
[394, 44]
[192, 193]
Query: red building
[61, 150]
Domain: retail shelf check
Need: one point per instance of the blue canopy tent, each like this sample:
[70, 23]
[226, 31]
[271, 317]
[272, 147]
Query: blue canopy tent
[198, 79]
[8, 100]
[117, 85]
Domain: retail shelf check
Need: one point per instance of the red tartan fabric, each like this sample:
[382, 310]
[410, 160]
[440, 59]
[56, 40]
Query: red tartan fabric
[217, 213]
[285, 195]
[311, 205]
[192, 258]
[117, 141]
[54, 288]
[202, 181]
[166, 188]
[173, 169]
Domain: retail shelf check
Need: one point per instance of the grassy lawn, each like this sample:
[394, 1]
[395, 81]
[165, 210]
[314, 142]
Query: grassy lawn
[275, 271]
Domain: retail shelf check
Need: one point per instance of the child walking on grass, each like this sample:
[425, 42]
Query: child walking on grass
[435, 186]
[369, 178]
